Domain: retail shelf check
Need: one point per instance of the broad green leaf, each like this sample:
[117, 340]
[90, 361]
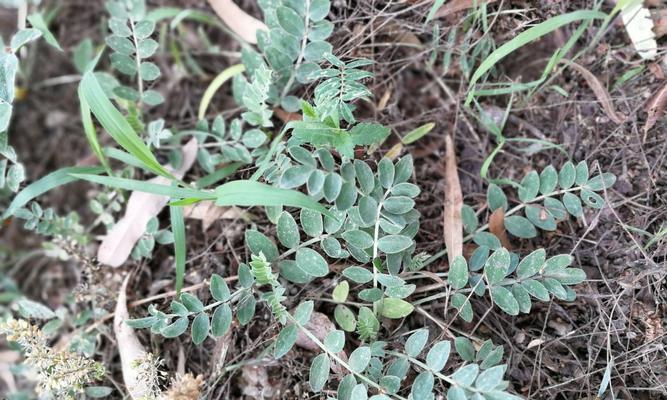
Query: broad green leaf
[465, 348]
[335, 341]
[192, 302]
[470, 221]
[461, 303]
[358, 238]
[290, 21]
[319, 9]
[522, 297]
[365, 176]
[32, 309]
[458, 273]
[548, 179]
[600, 182]
[466, 375]
[581, 173]
[340, 292]
[422, 387]
[569, 276]
[221, 321]
[396, 308]
[398, 204]
[392, 244]
[359, 359]
[97, 391]
[487, 239]
[573, 204]
[116, 125]
[304, 311]
[200, 327]
[386, 172]
[530, 186]
[345, 318]
[219, 288]
[416, 342]
[591, 198]
[311, 222]
[505, 300]
[496, 198]
[285, 341]
[319, 372]
[175, 329]
[567, 175]
[555, 208]
[365, 134]
[358, 274]
[258, 243]
[359, 392]
[490, 378]
[557, 263]
[496, 266]
[287, 230]
[531, 264]
[23, 37]
[311, 262]
[520, 227]
[555, 288]
[54, 179]
[438, 355]
[403, 169]
[539, 217]
[536, 289]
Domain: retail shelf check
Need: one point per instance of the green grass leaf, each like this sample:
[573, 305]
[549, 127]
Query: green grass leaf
[252, 193]
[54, 179]
[116, 125]
[147, 187]
[37, 21]
[526, 37]
[178, 228]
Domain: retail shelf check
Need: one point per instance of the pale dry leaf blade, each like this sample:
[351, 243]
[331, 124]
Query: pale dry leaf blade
[497, 226]
[141, 207]
[600, 92]
[656, 107]
[244, 25]
[452, 223]
[129, 347]
[639, 25]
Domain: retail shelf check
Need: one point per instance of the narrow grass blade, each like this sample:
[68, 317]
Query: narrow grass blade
[91, 134]
[116, 125]
[526, 37]
[219, 80]
[54, 179]
[38, 22]
[178, 228]
[125, 158]
[218, 175]
[253, 193]
[147, 187]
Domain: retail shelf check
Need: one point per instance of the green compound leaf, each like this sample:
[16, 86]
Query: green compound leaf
[319, 372]
[496, 266]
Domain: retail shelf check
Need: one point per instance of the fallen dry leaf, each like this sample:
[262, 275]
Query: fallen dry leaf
[395, 151]
[600, 92]
[129, 347]
[141, 207]
[207, 212]
[256, 383]
[639, 25]
[535, 343]
[656, 107]
[497, 226]
[287, 116]
[319, 325]
[244, 25]
[455, 6]
[452, 223]
[382, 103]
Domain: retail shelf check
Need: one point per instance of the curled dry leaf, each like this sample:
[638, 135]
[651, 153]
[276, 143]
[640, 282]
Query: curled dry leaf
[455, 6]
[656, 107]
[497, 226]
[244, 25]
[207, 212]
[452, 223]
[141, 207]
[600, 92]
[129, 347]
[639, 25]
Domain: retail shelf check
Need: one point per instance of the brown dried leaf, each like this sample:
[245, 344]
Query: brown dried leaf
[497, 226]
[656, 107]
[237, 20]
[319, 325]
[256, 383]
[452, 224]
[455, 6]
[129, 347]
[287, 116]
[141, 207]
[207, 212]
[600, 92]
